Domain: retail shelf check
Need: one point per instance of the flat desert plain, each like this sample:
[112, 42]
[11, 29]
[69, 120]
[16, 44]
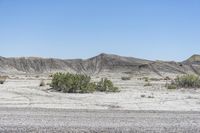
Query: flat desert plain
[23, 91]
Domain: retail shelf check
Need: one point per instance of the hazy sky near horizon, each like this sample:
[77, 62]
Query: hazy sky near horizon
[150, 29]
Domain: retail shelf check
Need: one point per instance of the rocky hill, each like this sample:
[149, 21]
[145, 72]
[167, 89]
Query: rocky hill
[99, 64]
[194, 59]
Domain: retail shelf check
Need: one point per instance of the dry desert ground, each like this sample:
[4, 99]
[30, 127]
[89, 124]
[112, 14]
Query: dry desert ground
[24, 91]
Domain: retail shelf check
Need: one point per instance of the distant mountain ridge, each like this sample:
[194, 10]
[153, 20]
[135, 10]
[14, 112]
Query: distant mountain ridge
[99, 64]
[194, 58]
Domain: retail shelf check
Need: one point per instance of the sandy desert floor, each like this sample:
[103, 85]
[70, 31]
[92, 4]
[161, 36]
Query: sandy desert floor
[25, 92]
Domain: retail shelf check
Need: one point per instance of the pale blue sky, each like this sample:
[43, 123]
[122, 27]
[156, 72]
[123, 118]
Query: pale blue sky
[150, 29]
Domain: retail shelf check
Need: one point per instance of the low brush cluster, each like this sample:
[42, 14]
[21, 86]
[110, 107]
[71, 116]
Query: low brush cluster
[78, 83]
[185, 81]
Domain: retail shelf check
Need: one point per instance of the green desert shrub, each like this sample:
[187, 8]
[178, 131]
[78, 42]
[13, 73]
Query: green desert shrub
[106, 85]
[188, 81]
[70, 83]
[91, 87]
[78, 83]
[185, 81]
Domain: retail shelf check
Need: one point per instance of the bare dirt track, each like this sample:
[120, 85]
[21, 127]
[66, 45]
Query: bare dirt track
[23, 120]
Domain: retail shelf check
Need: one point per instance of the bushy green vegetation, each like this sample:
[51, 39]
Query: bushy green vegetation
[185, 81]
[106, 85]
[78, 83]
[188, 81]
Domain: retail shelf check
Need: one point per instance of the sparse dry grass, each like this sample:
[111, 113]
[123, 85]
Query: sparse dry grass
[50, 75]
[42, 83]
[37, 76]
[171, 86]
[147, 84]
[126, 78]
[167, 78]
[3, 79]
[146, 79]
[155, 79]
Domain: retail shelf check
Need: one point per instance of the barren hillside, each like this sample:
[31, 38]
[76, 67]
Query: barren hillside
[99, 64]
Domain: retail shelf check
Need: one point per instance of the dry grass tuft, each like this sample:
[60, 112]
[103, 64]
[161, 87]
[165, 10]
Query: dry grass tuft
[147, 84]
[126, 78]
[3, 79]
[42, 83]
